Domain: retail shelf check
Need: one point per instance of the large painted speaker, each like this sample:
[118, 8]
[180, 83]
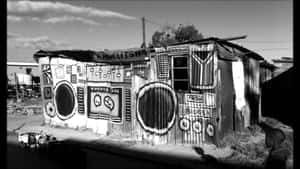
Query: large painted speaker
[156, 107]
[63, 92]
[64, 100]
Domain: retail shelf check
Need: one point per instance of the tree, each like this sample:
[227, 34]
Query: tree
[164, 37]
[170, 34]
[187, 33]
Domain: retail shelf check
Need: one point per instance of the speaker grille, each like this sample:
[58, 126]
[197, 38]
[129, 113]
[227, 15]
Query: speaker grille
[156, 107]
[80, 99]
[65, 100]
[127, 105]
[163, 66]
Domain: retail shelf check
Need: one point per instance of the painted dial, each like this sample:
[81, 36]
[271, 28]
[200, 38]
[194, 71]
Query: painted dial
[97, 100]
[184, 124]
[210, 130]
[50, 109]
[197, 126]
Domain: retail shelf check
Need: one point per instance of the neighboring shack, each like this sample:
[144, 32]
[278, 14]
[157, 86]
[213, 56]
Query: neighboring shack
[267, 71]
[277, 97]
[282, 64]
[190, 93]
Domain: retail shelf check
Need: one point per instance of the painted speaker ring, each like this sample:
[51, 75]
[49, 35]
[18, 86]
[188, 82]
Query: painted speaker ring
[170, 92]
[184, 124]
[50, 109]
[197, 127]
[65, 100]
[210, 130]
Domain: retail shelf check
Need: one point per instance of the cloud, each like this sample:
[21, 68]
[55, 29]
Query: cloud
[64, 19]
[57, 12]
[12, 18]
[41, 42]
[12, 35]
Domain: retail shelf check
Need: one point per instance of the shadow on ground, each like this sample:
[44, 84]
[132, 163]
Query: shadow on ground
[76, 154]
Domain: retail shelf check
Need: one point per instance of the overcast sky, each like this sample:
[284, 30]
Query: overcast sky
[97, 25]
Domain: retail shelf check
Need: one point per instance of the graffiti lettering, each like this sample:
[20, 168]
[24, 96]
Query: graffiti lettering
[105, 73]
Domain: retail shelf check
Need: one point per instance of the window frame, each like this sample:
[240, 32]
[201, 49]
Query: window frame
[186, 55]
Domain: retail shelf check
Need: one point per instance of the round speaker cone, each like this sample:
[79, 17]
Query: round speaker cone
[65, 100]
[156, 107]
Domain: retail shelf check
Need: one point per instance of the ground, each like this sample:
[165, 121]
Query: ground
[247, 148]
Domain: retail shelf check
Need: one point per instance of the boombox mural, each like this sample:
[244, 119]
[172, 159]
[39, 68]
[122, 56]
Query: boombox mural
[191, 93]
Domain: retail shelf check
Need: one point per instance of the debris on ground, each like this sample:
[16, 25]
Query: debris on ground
[35, 140]
[248, 147]
[279, 138]
[28, 107]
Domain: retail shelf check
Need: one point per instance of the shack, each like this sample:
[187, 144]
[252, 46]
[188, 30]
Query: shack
[190, 93]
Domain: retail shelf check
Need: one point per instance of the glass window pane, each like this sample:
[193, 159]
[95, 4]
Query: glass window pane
[180, 61]
[180, 74]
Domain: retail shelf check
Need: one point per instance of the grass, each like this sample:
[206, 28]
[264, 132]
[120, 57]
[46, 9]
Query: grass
[248, 147]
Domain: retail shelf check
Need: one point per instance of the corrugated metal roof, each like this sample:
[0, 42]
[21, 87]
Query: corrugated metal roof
[228, 50]
[126, 55]
[239, 50]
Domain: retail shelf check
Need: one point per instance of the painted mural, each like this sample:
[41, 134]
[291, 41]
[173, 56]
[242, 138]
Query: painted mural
[105, 103]
[203, 67]
[47, 74]
[181, 94]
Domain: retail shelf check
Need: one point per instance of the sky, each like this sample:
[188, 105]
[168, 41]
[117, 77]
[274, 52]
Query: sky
[98, 25]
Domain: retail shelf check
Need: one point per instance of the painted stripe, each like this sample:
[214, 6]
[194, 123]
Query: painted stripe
[202, 72]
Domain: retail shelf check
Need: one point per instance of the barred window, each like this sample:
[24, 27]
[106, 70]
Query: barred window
[180, 73]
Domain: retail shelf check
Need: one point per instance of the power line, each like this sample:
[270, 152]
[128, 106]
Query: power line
[255, 50]
[278, 42]
[272, 49]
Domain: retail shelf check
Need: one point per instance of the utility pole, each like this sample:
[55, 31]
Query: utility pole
[17, 87]
[144, 33]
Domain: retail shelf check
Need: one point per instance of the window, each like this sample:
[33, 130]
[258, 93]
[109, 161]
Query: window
[180, 73]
